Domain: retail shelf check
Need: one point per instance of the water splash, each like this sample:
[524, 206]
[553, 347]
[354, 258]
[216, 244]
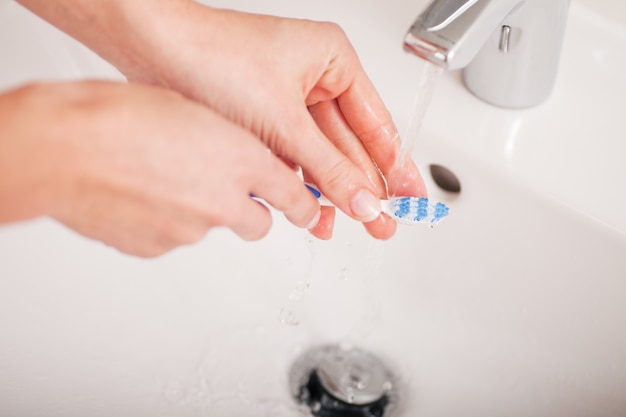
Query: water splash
[175, 392]
[300, 290]
[288, 317]
[343, 273]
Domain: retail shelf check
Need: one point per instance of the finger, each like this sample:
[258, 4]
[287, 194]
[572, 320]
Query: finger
[333, 124]
[249, 219]
[281, 187]
[337, 176]
[325, 226]
[368, 117]
[291, 165]
[130, 226]
[383, 228]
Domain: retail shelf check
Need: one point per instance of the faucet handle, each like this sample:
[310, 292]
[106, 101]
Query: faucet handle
[436, 18]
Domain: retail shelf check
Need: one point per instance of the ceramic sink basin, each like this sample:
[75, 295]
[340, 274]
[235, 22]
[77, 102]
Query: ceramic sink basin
[514, 305]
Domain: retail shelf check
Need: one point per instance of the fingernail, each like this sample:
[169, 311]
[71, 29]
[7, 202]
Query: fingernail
[315, 220]
[365, 205]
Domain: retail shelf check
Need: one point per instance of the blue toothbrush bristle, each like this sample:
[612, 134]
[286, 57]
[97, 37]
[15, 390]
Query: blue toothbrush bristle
[422, 209]
[441, 211]
[402, 207]
[419, 210]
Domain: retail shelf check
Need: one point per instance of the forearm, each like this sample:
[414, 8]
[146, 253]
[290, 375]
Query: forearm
[26, 172]
[128, 34]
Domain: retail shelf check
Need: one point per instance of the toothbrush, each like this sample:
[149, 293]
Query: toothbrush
[405, 210]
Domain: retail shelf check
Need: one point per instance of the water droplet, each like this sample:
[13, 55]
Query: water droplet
[346, 346]
[175, 392]
[288, 317]
[299, 291]
[343, 273]
[351, 397]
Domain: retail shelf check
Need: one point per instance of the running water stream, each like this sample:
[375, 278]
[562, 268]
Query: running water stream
[428, 76]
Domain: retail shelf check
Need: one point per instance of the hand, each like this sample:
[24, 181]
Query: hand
[143, 169]
[263, 73]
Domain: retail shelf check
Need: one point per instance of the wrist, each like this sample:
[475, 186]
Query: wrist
[155, 53]
[140, 36]
[27, 165]
[128, 34]
[40, 127]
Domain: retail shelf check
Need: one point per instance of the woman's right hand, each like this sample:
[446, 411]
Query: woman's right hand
[139, 168]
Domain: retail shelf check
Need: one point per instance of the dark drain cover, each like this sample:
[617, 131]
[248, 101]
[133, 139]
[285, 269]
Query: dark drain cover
[334, 381]
[324, 404]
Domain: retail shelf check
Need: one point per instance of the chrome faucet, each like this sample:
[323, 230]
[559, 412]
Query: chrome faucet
[509, 49]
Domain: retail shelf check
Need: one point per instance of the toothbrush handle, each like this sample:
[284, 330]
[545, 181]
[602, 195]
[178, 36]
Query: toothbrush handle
[318, 194]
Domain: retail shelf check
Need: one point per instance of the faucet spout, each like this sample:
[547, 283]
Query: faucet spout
[451, 33]
[509, 49]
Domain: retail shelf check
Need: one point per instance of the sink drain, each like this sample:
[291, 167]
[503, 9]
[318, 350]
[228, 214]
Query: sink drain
[334, 381]
[445, 178]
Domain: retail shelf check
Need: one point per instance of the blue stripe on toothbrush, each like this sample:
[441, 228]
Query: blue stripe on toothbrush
[313, 191]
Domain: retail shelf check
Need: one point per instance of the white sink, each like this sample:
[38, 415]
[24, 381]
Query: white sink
[513, 306]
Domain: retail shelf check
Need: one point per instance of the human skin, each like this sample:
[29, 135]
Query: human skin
[134, 167]
[295, 84]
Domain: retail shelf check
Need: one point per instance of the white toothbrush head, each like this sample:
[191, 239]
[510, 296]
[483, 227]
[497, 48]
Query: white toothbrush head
[405, 210]
[413, 210]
